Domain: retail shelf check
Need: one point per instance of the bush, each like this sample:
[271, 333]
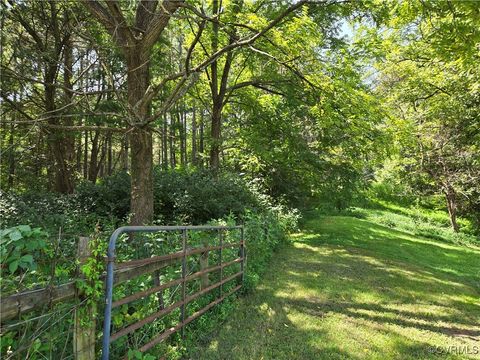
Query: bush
[108, 198]
[264, 233]
[196, 197]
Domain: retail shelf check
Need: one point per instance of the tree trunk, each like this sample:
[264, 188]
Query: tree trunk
[216, 134]
[141, 177]
[218, 90]
[450, 196]
[165, 143]
[62, 176]
[141, 141]
[101, 164]
[185, 139]
[194, 137]
[85, 157]
[182, 138]
[110, 154]
[125, 153]
[201, 143]
[68, 136]
[78, 153]
[159, 149]
[173, 159]
[11, 157]
[93, 168]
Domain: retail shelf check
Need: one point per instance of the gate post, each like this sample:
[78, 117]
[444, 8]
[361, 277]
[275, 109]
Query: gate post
[84, 317]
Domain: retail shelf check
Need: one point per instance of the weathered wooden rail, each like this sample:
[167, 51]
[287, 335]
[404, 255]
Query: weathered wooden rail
[14, 305]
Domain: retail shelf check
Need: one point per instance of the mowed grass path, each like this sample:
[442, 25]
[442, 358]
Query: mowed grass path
[347, 288]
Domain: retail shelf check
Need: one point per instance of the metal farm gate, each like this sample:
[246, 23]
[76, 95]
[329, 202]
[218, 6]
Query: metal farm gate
[180, 254]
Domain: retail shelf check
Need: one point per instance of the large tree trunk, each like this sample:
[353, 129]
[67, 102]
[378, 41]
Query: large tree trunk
[216, 136]
[141, 142]
[141, 177]
[450, 196]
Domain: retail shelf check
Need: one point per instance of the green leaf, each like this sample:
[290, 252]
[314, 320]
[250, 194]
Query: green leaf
[15, 235]
[13, 266]
[27, 259]
[32, 245]
[24, 228]
[5, 232]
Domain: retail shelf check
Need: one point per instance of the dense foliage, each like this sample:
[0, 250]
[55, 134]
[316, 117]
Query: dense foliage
[233, 112]
[45, 250]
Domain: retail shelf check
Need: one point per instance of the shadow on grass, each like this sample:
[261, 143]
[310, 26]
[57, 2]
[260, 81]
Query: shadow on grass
[450, 261]
[347, 277]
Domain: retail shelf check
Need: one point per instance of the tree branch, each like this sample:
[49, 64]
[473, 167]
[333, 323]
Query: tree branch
[105, 18]
[159, 22]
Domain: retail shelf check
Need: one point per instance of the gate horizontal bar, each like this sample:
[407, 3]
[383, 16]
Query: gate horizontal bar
[153, 290]
[145, 266]
[129, 229]
[177, 327]
[176, 255]
[142, 294]
[168, 309]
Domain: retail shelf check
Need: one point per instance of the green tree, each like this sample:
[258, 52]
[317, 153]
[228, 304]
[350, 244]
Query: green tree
[431, 81]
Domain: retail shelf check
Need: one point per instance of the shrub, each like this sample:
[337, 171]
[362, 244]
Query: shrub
[265, 232]
[19, 245]
[198, 196]
[108, 198]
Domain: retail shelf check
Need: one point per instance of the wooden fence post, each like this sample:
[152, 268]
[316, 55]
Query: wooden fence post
[85, 322]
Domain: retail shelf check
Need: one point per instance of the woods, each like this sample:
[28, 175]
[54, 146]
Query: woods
[221, 113]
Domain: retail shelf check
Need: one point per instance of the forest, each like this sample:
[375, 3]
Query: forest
[336, 142]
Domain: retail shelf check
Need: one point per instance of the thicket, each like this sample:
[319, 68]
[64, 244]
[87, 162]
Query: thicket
[38, 243]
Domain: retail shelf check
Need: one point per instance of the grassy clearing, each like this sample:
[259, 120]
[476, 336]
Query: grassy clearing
[418, 221]
[348, 288]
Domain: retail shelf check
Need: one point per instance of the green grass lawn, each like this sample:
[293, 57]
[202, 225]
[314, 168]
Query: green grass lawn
[348, 288]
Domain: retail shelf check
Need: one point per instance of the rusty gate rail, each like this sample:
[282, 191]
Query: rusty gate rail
[180, 255]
